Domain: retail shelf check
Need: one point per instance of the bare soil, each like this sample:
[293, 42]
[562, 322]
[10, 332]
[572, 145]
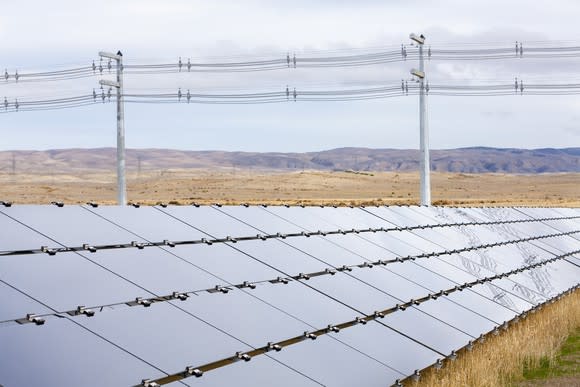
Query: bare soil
[305, 187]
[558, 381]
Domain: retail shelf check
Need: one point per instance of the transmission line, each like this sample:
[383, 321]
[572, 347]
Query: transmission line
[291, 61]
[283, 95]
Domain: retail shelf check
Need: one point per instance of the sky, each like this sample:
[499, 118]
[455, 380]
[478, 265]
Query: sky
[45, 35]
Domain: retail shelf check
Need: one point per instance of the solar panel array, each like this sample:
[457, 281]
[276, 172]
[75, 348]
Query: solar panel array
[261, 296]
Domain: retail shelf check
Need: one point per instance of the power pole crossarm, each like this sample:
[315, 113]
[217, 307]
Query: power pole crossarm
[105, 82]
[109, 55]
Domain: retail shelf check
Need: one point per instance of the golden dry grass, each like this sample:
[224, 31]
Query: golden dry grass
[501, 360]
[307, 187]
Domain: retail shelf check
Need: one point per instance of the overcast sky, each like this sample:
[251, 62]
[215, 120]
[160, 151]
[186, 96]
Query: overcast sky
[42, 35]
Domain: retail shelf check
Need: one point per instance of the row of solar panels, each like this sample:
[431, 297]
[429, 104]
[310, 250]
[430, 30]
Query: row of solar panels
[260, 296]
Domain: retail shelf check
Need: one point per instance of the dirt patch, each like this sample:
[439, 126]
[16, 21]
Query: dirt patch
[561, 381]
[306, 187]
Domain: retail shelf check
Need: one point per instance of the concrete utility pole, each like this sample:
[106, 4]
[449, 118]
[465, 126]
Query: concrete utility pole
[121, 183]
[424, 163]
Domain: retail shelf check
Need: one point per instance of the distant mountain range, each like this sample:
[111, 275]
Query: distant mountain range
[464, 160]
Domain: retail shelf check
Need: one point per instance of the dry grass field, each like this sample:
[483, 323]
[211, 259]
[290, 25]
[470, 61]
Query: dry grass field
[304, 187]
[528, 354]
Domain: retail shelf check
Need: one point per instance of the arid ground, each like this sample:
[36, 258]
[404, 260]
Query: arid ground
[184, 186]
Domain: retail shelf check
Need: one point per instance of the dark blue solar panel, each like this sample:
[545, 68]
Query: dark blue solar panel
[254, 275]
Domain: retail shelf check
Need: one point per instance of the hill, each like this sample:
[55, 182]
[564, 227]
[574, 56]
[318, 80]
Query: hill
[463, 160]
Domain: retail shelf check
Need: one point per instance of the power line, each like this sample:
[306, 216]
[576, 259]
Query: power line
[288, 94]
[291, 61]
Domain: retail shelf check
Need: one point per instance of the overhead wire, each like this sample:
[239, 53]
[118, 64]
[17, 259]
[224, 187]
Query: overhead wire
[340, 58]
[288, 94]
[355, 59]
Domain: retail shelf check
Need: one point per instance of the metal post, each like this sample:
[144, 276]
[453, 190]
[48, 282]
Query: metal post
[121, 182]
[424, 163]
[424, 138]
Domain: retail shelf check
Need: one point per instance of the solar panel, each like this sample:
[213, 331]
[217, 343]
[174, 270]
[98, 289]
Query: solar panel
[150, 334]
[210, 221]
[17, 236]
[484, 300]
[345, 217]
[247, 316]
[302, 219]
[402, 354]
[65, 354]
[230, 265]
[14, 303]
[255, 295]
[334, 249]
[282, 256]
[261, 371]
[477, 299]
[69, 225]
[261, 218]
[515, 296]
[149, 223]
[442, 308]
[65, 281]
[333, 363]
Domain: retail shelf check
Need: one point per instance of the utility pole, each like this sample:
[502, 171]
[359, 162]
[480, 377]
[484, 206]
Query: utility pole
[424, 163]
[121, 183]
